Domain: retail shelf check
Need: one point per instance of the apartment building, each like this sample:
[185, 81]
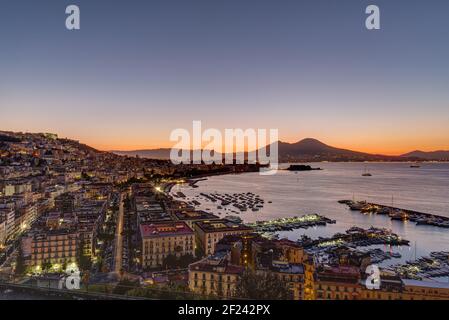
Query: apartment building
[208, 233]
[52, 246]
[9, 216]
[214, 275]
[3, 233]
[166, 238]
[190, 216]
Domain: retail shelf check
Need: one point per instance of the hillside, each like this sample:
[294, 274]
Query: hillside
[439, 155]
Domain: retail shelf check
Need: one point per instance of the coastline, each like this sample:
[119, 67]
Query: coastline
[203, 177]
[303, 193]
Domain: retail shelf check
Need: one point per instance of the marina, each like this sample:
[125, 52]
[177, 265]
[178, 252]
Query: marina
[333, 256]
[394, 213]
[423, 190]
[231, 203]
[436, 265]
[354, 237]
[282, 224]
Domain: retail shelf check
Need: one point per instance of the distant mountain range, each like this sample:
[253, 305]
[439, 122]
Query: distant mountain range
[310, 150]
[161, 153]
[432, 155]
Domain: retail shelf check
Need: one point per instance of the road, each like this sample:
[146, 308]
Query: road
[119, 238]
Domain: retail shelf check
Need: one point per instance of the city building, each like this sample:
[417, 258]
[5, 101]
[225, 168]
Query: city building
[150, 210]
[208, 233]
[190, 216]
[338, 283]
[424, 290]
[162, 239]
[214, 275]
[3, 233]
[55, 247]
[9, 216]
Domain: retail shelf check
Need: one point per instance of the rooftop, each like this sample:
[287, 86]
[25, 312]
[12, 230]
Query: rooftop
[282, 267]
[195, 215]
[216, 264]
[345, 274]
[428, 284]
[168, 229]
[221, 225]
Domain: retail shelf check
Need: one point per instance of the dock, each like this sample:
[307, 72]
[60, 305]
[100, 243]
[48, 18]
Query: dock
[287, 224]
[354, 237]
[420, 218]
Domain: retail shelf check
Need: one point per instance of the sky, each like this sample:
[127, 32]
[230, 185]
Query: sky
[136, 70]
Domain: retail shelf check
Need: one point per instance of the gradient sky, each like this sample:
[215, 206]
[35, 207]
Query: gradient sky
[138, 69]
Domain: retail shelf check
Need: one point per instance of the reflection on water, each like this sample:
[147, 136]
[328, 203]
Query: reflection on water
[422, 189]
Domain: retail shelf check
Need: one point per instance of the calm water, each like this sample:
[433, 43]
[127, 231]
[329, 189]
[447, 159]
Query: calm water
[423, 189]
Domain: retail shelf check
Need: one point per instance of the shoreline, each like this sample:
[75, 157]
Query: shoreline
[203, 177]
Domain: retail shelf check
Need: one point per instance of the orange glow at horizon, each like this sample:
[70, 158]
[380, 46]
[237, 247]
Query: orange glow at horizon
[373, 147]
[369, 141]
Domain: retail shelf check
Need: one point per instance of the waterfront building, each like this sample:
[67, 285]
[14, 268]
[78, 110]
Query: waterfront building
[338, 283]
[425, 290]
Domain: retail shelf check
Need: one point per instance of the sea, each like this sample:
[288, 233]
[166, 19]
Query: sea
[424, 189]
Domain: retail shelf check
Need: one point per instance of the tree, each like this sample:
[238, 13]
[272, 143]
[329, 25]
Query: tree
[261, 287]
[169, 262]
[46, 266]
[199, 252]
[64, 266]
[125, 285]
[20, 262]
[185, 260]
[84, 262]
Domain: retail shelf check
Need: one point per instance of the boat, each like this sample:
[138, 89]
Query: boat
[403, 216]
[357, 206]
[395, 254]
[383, 210]
[366, 173]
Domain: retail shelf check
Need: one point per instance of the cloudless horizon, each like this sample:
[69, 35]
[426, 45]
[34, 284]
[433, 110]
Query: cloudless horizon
[139, 69]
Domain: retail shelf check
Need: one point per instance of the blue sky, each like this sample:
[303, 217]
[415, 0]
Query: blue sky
[138, 69]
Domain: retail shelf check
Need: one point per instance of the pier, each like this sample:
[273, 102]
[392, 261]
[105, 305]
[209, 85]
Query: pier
[420, 218]
[354, 237]
[286, 224]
